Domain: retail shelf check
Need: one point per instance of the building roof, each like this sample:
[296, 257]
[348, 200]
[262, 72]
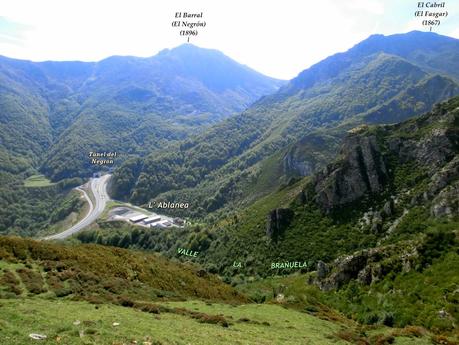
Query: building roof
[138, 218]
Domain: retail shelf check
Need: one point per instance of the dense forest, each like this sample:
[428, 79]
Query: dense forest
[53, 114]
[380, 215]
[377, 81]
[29, 211]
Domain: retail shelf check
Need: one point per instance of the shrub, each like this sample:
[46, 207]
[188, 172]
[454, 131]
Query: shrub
[382, 339]
[410, 331]
[387, 319]
[442, 340]
[11, 282]
[125, 301]
[62, 292]
[351, 337]
[258, 297]
[32, 280]
[213, 319]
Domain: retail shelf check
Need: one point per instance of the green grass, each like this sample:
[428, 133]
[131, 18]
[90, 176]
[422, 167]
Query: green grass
[111, 204]
[115, 203]
[411, 299]
[267, 324]
[71, 322]
[56, 318]
[37, 181]
[104, 274]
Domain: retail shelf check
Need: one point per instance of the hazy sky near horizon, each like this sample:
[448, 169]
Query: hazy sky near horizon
[277, 38]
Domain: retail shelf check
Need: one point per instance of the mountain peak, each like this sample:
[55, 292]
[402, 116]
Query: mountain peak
[214, 68]
[402, 44]
[187, 49]
[434, 52]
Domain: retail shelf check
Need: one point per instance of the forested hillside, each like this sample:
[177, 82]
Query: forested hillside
[380, 80]
[321, 210]
[383, 177]
[54, 113]
[382, 215]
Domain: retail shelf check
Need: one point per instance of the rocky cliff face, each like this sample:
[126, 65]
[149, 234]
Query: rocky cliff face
[369, 157]
[311, 153]
[277, 221]
[293, 164]
[361, 170]
[410, 165]
[366, 266]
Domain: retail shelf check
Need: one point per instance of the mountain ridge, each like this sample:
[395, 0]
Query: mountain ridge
[168, 87]
[52, 114]
[276, 121]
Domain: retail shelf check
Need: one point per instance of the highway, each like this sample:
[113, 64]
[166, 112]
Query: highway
[98, 187]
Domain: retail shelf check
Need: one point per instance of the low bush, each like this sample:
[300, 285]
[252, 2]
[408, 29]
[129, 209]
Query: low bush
[32, 280]
[11, 283]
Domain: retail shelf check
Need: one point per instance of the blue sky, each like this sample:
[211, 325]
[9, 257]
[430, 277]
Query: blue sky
[278, 38]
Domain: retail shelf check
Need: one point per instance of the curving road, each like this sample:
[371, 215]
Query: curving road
[98, 188]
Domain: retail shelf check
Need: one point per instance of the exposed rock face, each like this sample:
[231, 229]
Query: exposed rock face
[361, 170]
[346, 268]
[443, 177]
[293, 164]
[376, 223]
[430, 142]
[443, 190]
[366, 266]
[388, 208]
[310, 154]
[322, 269]
[277, 220]
[416, 163]
[434, 149]
[447, 202]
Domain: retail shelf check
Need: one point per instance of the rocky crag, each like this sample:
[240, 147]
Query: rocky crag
[395, 169]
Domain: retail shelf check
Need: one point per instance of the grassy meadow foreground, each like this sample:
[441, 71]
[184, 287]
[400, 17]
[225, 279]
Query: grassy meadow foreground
[91, 294]
[71, 322]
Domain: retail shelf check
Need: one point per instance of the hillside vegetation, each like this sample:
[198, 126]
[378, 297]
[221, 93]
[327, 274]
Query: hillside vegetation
[385, 181]
[31, 207]
[89, 294]
[382, 216]
[378, 80]
[101, 274]
[55, 113]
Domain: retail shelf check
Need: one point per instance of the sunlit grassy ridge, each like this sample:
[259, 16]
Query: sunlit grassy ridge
[58, 320]
[71, 322]
[101, 274]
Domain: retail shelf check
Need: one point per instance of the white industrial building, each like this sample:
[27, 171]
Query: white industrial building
[152, 219]
[138, 218]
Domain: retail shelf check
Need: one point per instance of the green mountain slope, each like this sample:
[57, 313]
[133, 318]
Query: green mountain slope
[378, 80]
[54, 113]
[381, 218]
